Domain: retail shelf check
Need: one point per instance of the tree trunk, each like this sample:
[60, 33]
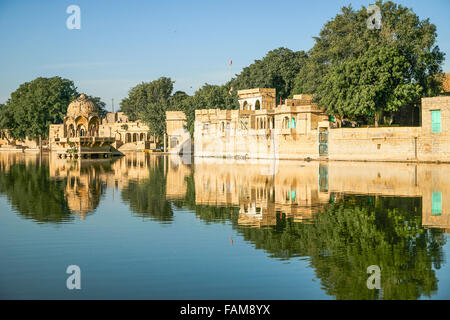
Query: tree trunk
[377, 118]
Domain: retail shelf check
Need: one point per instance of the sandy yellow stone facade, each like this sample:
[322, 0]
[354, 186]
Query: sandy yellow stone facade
[298, 129]
[91, 134]
[178, 138]
[8, 143]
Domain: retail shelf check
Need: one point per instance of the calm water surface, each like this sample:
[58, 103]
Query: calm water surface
[155, 227]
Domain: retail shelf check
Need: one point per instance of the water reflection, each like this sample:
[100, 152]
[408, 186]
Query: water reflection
[341, 216]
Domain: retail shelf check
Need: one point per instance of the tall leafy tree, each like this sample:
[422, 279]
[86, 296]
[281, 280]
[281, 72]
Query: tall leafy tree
[278, 69]
[372, 84]
[410, 53]
[35, 105]
[177, 100]
[148, 102]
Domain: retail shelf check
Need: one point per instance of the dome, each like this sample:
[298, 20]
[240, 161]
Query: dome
[82, 106]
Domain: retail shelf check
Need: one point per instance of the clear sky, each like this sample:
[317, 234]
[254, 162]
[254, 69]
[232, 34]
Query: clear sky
[122, 43]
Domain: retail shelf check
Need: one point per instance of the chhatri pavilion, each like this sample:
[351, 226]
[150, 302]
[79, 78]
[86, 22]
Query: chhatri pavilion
[78, 136]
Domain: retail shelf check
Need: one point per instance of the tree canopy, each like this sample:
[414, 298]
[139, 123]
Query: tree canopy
[386, 69]
[37, 104]
[148, 101]
[278, 69]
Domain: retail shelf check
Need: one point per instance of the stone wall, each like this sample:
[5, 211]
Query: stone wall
[435, 146]
[391, 143]
[265, 134]
[177, 135]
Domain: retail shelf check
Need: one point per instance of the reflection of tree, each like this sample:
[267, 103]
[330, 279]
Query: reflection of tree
[348, 237]
[147, 198]
[33, 194]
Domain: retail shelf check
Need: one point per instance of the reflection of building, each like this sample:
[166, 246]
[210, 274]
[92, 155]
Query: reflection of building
[301, 189]
[260, 195]
[177, 173]
[86, 180]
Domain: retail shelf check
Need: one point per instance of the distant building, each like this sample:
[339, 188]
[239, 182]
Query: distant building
[79, 136]
[92, 136]
[299, 129]
[179, 139]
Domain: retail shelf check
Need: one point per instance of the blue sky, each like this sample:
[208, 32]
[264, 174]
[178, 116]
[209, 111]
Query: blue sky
[122, 43]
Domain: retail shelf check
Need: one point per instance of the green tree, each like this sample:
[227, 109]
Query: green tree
[409, 51]
[35, 105]
[147, 198]
[148, 102]
[372, 84]
[178, 100]
[278, 69]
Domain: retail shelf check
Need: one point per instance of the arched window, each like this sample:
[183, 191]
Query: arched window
[142, 137]
[286, 123]
[71, 132]
[81, 130]
[135, 137]
[93, 127]
[245, 106]
[257, 105]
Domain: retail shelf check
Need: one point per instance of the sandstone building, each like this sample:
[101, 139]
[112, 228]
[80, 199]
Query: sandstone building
[91, 135]
[298, 129]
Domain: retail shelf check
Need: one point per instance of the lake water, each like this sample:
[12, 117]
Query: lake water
[157, 227]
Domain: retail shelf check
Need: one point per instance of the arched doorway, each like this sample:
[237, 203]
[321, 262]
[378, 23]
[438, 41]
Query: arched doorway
[81, 130]
[93, 126]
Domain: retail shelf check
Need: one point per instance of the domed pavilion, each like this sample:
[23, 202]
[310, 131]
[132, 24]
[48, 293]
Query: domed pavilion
[78, 136]
[82, 118]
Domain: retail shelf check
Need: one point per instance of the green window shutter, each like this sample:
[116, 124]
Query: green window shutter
[436, 203]
[293, 123]
[436, 121]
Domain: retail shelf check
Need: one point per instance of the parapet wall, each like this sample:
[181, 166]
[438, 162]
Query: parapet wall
[292, 132]
[388, 144]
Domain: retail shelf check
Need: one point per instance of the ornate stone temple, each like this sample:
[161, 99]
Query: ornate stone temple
[78, 136]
